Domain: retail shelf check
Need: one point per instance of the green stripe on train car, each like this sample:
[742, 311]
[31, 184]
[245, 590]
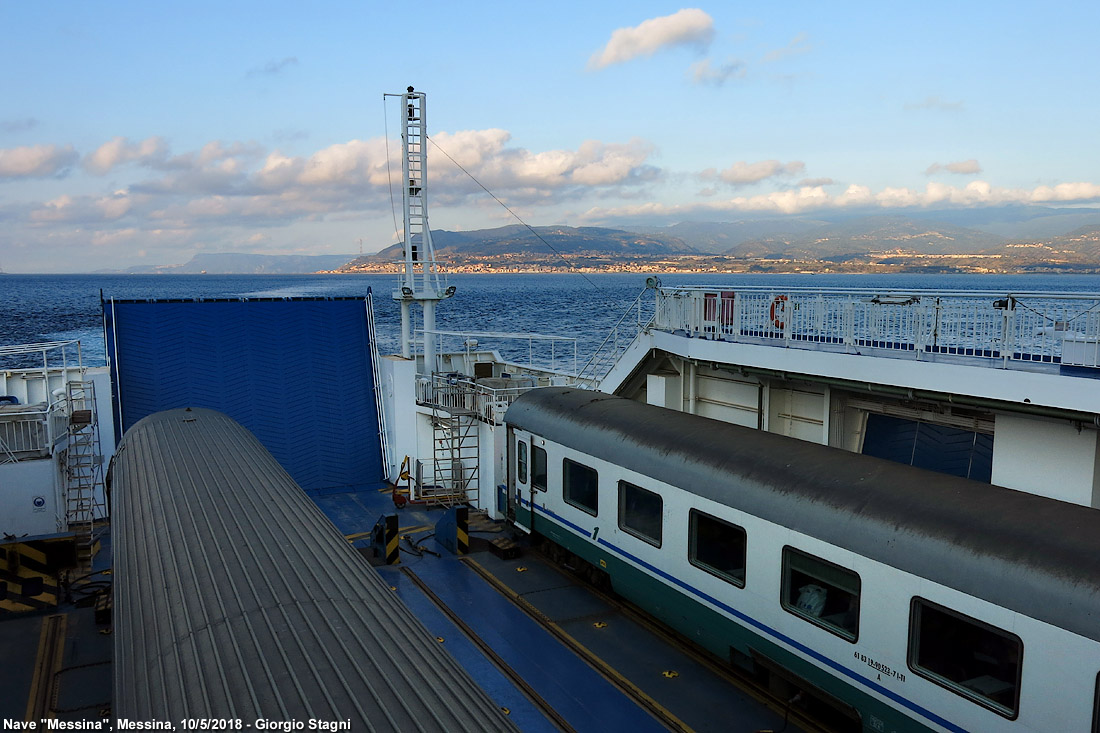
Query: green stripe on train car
[719, 634]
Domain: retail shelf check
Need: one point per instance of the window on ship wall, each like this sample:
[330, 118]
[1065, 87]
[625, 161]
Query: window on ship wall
[717, 547]
[967, 656]
[521, 461]
[640, 512]
[538, 468]
[580, 485]
[821, 592]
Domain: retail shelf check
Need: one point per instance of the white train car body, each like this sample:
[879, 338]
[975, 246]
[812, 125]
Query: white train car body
[916, 618]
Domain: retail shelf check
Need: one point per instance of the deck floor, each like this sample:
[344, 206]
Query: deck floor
[523, 609]
[502, 620]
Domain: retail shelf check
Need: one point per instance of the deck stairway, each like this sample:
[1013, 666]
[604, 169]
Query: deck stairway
[456, 446]
[83, 469]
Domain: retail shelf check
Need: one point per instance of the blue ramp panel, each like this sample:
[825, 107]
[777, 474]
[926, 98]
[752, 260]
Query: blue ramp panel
[295, 371]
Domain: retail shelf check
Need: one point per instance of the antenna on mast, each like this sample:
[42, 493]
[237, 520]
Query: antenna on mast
[421, 281]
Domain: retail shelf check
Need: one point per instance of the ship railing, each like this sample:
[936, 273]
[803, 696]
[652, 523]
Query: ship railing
[635, 318]
[487, 399]
[425, 277]
[34, 412]
[533, 352]
[1002, 329]
[25, 433]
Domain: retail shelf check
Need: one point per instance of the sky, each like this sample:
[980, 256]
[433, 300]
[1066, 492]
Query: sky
[137, 133]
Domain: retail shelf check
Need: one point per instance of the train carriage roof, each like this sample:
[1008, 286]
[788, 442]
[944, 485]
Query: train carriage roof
[1038, 556]
[235, 597]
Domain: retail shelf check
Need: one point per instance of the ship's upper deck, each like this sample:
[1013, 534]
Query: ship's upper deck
[1010, 338]
[999, 330]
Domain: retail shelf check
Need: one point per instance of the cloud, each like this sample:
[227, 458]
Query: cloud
[521, 173]
[936, 104]
[239, 185]
[37, 161]
[704, 72]
[813, 198]
[516, 173]
[816, 182]
[742, 173]
[689, 26]
[18, 125]
[120, 151]
[800, 44]
[216, 168]
[273, 68]
[85, 210]
[962, 167]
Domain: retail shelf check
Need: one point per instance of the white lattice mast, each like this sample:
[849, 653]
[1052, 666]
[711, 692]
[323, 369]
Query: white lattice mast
[421, 281]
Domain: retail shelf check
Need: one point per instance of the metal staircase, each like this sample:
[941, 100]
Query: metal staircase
[455, 447]
[83, 468]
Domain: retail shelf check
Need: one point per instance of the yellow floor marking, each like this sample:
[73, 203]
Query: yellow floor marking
[51, 646]
[32, 553]
[603, 667]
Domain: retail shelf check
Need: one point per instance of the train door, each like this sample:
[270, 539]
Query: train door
[509, 503]
[519, 480]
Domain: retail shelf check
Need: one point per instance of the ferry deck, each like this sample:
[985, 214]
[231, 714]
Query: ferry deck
[549, 649]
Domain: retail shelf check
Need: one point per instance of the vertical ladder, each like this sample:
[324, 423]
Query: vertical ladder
[416, 220]
[421, 280]
[83, 468]
[456, 447]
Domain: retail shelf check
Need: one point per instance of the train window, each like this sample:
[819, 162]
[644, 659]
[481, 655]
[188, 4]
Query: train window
[821, 592]
[580, 484]
[717, 547]
[538, 468]
[640, 512]
[521, 461]
[965, 655]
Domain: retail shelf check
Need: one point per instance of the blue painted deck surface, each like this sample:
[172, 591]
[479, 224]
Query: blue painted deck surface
[576, 691]
[582, 696]
[521, 710]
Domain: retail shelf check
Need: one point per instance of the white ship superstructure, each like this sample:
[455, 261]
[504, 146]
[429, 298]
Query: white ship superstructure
[56, 434]
[1016, 372]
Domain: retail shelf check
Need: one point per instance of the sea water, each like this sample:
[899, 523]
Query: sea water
[39, 308]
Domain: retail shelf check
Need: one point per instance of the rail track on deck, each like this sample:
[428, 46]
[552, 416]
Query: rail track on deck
[661, 631]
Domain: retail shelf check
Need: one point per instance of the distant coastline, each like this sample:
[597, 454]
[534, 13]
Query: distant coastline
[891, 264]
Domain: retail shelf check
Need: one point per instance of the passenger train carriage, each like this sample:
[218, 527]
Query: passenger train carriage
[896, 599]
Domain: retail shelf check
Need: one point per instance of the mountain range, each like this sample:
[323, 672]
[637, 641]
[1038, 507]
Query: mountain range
[1023, 234]
[1051, 232]
[517, 240]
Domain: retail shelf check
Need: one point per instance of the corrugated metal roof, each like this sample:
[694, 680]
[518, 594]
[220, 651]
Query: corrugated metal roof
[235, 597]
[1038, 556]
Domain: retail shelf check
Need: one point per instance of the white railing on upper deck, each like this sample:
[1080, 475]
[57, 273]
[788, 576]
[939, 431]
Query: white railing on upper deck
[24, 433]
[636, 317]
[34, 413]
[1006, 329]
[460, 393]
[544, 352]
